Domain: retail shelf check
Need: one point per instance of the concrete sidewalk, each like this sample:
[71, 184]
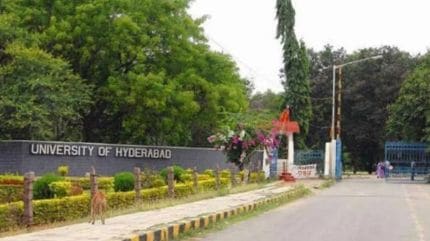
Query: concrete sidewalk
[121, 227]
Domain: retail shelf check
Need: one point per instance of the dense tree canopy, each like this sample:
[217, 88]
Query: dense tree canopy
[368, 89]
[143, 70]
[410, 114]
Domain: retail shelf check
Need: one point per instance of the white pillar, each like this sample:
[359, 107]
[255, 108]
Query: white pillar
[290, 151]
[327, 159]
[333, 158]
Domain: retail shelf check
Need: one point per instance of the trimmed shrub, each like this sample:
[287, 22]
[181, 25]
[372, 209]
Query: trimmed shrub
[203, 177]
[61, 188]
[41, 188]
[105, 183]
[11, 179]
[189, 171]
[76, 190]
[257, 177]
[184, 189]
[225, 174]
[187, 177]
[158, 182]
[177, 172]
[123, 182]
[63, 170]
[209, 172]
[10, 193]
[70, 208]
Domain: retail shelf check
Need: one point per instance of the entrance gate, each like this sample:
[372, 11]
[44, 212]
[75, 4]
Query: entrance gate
[401, 156]
[302, 157]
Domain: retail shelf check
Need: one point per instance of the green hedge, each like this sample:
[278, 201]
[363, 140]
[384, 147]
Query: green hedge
[11, 179]
[70, 208]
[105, 183]
[10, 193]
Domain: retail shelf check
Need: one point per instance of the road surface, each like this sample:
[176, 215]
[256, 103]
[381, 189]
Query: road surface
[354, 209]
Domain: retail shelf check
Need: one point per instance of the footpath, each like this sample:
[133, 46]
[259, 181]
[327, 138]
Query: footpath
[128, 227]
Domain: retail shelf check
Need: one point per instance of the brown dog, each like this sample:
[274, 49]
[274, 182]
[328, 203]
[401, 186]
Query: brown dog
[98, 206]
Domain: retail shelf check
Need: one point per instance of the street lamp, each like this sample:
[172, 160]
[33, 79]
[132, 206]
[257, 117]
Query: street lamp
[333, 132]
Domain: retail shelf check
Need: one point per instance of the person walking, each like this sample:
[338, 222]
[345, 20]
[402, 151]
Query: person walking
[386, 168]
[380, 170]
[413, 164]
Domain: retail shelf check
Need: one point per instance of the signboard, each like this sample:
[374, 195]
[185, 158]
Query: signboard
[304, 171]
[66, 149]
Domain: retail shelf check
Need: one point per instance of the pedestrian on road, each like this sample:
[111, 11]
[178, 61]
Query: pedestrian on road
[386, 168]
[380, 170]
[413, 170]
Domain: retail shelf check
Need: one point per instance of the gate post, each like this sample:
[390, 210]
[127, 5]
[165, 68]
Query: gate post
[137, 184]
[28, 198]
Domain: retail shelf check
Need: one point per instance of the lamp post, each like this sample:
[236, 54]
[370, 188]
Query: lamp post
[333, 127]
[333, 157]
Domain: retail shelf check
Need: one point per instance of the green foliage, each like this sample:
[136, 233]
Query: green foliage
[123, 182]
[177, 173]
[11, 179]
[369, 88]
[296, 70]
[112, 71]
[60, 188]
[63, 170]
[225, 174]
[105, 183]
[41, 188]
[41, 97]
[257, 177]
[203, 177]
[209, 172]
[410, 114]
[158, 182]
[10, 193]
[71, 208]
[186, 177]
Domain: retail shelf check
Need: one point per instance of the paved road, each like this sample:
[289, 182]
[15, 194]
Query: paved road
[354, 209]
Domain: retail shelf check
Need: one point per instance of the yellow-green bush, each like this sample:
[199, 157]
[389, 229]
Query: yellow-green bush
[225, 174]
[74, 207]
[45, 211]
[209, 172]
[63, 170]
[203, 177]
[11, 179]
[10, 193]
[186, 177]
[105, 183]
[257, 177]
[60, 188]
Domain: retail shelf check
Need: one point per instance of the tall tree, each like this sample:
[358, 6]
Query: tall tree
[410, 114]
[296, 69]
[369, 88]
[154, 78]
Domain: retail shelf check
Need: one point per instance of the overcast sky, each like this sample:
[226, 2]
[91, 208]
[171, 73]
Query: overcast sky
[245, 29]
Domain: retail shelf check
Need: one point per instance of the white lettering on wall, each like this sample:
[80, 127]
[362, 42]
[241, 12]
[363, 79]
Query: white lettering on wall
[101, 151]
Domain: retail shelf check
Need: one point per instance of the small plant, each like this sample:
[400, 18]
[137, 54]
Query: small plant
[63, 170]
[177, 172]
[123, 182]
[41, 188]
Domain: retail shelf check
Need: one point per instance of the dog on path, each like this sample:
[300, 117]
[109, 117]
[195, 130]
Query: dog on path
[98, 206]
